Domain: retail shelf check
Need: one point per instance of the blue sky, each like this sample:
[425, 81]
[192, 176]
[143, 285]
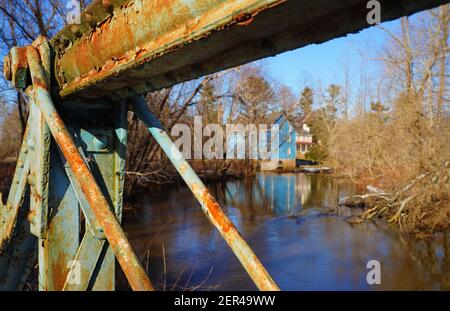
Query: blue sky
[329, 60]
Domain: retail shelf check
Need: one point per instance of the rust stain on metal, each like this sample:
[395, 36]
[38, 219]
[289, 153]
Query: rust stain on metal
[59, 272]
[118, 241]
[215, 212]
[173, 25]
[124, 253]
[20, 59]
[37, 82]
[183, 168]
[37, 197]
[17, 63]
[31, 216]
[243, 19]
[7, 67]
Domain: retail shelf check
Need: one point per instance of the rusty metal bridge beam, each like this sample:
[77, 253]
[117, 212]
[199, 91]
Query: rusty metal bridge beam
[135, 46]
[117, 239]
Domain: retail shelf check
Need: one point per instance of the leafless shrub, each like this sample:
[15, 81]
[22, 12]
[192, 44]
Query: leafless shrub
[403, 146]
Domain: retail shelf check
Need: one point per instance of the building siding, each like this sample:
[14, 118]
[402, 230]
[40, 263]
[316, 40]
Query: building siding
[287, 139]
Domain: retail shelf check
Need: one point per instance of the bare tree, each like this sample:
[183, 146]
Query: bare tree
[21, 22]
[404, 150]
[254, 94]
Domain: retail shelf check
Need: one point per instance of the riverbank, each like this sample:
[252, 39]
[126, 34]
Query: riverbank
[210, 172]
[419, 205]
[162, 174]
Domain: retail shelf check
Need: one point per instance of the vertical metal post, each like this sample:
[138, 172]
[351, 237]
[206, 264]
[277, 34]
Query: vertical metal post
[17, 244]
[210, 206]
[125, 255]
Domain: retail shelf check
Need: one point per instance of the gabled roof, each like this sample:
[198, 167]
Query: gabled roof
[277, 117]
[272, 117]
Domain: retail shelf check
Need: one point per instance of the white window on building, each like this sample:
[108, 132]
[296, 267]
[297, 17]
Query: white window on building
[289, 151]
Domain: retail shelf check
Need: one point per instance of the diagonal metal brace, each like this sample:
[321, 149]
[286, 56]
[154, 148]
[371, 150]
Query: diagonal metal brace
[210, 206]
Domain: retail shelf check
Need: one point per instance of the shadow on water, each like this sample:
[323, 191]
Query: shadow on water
[293, 224]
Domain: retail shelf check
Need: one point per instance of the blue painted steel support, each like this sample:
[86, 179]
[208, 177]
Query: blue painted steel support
[17, 244]
[99, 202]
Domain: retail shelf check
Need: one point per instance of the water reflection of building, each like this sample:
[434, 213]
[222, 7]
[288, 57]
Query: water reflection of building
[285, 193]
[303, 187]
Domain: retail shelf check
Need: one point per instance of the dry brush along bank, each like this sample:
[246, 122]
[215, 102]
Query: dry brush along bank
[420, 206]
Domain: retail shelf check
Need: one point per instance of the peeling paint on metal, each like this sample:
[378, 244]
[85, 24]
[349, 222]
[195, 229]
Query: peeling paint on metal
[148, 29]
[125, 255]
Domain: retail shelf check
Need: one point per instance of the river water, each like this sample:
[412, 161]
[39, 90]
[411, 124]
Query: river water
[293, 225]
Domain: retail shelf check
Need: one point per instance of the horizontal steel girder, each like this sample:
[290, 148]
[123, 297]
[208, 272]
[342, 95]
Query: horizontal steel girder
[129, 47]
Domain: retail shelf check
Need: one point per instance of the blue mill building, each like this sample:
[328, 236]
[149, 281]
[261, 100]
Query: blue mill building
[293, 144]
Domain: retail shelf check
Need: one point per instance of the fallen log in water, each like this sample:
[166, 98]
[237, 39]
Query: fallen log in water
[362, 200]
[421, 205]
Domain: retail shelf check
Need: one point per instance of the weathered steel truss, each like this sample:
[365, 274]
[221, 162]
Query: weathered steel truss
[65, 203]
[84, 171]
